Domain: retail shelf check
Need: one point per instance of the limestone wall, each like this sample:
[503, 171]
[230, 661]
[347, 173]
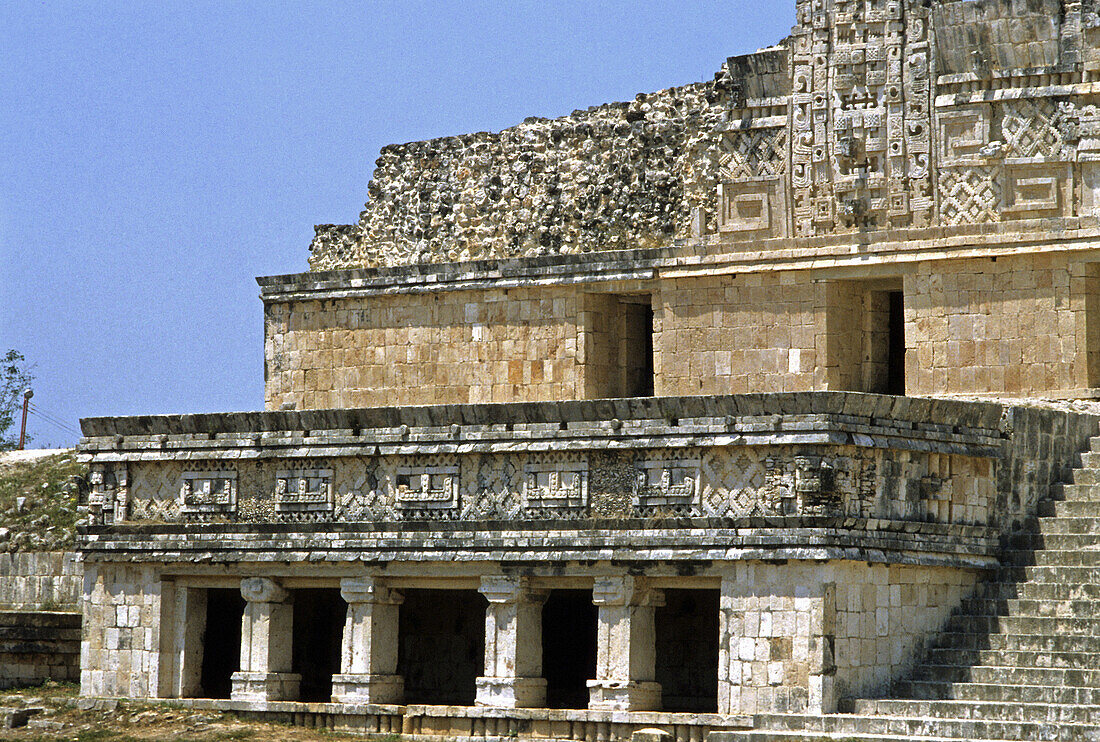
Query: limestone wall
[446, 348]
[121, 649]
[39, 580]
[981, 37]
[726, 335]
[797, 636]
[1018, 326]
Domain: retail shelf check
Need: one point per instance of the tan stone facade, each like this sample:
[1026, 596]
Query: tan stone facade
[1016, 325]
[632, 424]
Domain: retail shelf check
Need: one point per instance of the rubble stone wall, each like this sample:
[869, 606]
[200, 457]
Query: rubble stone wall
[612, 177]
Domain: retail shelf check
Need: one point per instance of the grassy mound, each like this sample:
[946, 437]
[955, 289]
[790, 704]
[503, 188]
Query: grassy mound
[38, 503]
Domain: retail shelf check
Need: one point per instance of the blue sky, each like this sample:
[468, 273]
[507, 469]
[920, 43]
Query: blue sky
[157, 157]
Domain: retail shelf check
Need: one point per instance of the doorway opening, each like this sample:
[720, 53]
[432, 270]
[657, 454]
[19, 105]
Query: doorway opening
[881, 341]
[568, 647]
[221, 641]
[441, 649]
[619, 346]
[318, 632]
[687, 650]
[895, 364]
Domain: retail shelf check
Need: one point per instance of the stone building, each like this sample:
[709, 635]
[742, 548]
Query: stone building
[639, 418]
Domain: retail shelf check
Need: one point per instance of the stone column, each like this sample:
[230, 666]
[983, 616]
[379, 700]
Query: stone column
[625, 648]
[266, 643]
[368, 659]
[513, 644]
[188, 626]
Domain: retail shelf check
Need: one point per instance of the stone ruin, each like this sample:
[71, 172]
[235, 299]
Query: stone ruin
[659, 420]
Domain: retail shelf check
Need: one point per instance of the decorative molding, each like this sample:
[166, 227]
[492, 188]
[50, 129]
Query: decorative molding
[303, 491]
[209, 492]
[426, 487]
[556, 485]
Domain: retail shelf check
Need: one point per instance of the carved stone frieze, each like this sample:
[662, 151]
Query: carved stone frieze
[209, 492]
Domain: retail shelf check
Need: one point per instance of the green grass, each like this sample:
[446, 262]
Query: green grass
[47, 522]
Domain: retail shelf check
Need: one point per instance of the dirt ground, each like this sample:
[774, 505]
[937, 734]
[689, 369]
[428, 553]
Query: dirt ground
[62, 719]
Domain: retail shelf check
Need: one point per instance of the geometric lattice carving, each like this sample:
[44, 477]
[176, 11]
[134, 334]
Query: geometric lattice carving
[752, 153]
[733, 482]
[1029, 128]
[358, 495]
[970, 195]
[492, 489]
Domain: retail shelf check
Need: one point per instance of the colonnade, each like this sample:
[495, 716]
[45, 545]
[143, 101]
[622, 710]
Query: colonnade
[625, 659]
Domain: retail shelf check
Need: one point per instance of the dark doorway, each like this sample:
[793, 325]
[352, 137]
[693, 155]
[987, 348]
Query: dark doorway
[442, 646]
[221, 641]
[636, 346]
[687, 650]
[318, 631]
[895, 373]
[568, 647]
[619, 345]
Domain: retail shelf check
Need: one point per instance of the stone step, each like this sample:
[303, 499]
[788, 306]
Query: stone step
[1012, 711]
[1089, 459]
[1085, 555]
[1041, 625]
[1030, 607]
[1028, 548]
[1045, 591]
[1008, 674]
[760, 735]
[918, 726]
[997, 692]
[1086, 475]
[1068, 509]
[1070, 575]
[1018, 642]
[1014, 658]
[1084, 525]
[1074, 492]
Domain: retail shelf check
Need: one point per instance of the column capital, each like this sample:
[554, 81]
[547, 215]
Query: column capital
[510, 589]
[263, 590]
[625, 590]
[369, 590]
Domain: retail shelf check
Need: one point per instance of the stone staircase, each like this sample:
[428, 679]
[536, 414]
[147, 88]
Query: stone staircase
[1018, 661]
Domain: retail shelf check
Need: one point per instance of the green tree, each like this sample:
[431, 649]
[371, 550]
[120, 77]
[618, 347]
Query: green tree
[15, 376]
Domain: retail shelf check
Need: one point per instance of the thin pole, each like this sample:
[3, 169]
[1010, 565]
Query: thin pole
[27, 394]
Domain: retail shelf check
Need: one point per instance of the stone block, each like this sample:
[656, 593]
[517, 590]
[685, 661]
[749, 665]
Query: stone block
[265, 686]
